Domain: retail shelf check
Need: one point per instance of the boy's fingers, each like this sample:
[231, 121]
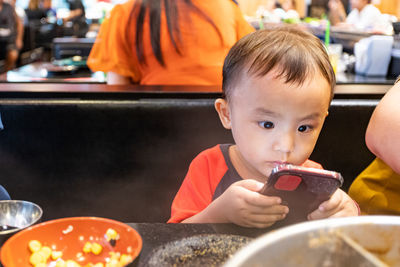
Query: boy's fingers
[275, 209]
[331, 203]
[319, 214]
[257, 199]
[251, 184]
[267, 219]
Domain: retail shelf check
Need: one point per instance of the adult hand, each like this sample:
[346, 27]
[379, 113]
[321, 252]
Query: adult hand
[243, 205]
[339, 205]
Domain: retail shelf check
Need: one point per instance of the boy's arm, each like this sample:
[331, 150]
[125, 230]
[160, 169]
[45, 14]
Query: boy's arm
[383, 132]
[195, 193]
[211, 214]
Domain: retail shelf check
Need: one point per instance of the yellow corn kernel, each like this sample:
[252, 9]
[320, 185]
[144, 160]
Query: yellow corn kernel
[100, 264]
[56, 255]
[111, 234]
[37, 258]
[125, 259]
[42, 264]
[46, 251]
[96, 248]
[87, 248]
[71, 263]
[34, 245]
[60, 263]
[114, 255]
[113, 263]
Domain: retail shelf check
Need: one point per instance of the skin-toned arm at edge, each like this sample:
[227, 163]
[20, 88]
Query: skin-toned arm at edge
[20, 32]
[383, 132]
[115, 79]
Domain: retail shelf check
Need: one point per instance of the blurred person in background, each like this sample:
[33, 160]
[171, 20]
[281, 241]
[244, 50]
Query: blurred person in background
[289, 6]
[35, 13]
[19, 10]
[20, 18]
[51, 13]
[77, 16]
[182, 42]
[9, 43]
[286, 10]
[41, 20]
[363, 17]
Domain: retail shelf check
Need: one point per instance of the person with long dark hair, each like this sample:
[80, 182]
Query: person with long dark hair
[167, 41]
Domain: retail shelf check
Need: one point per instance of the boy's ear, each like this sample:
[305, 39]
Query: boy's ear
[222, 107]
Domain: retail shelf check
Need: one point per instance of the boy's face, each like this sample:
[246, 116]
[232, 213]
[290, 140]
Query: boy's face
[273, 122]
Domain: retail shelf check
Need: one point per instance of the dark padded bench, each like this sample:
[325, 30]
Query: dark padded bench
[125, 159]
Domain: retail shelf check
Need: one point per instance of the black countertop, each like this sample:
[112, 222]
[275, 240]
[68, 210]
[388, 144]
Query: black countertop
[343, 78]
[158, 234]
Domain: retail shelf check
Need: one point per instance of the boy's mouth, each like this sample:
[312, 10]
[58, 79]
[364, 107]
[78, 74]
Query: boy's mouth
[280, 162]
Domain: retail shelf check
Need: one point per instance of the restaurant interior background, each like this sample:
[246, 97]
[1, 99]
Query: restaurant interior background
[78, 147]
[50, 44]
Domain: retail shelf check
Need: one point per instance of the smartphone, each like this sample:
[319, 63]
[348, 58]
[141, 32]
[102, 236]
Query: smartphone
[301, 189]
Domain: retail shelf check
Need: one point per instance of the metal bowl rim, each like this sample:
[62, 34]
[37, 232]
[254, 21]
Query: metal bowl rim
[22, 201]
[240, 257]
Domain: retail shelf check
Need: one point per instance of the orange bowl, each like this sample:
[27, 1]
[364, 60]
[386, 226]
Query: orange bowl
[69, 236]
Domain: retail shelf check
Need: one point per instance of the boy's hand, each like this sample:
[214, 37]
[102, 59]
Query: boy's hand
[243, 205]
[339, 205]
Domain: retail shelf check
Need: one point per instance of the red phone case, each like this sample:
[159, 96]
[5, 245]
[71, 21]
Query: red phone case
[301, 189]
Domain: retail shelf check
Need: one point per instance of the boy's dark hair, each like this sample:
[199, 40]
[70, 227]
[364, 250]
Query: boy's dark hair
[295, 53]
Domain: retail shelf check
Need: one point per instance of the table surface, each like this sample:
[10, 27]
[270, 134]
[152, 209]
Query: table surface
[37, 73]
[157, 234]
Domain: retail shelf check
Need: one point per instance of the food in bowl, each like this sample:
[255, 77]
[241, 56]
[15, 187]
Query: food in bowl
[45, 256]
[48, 244]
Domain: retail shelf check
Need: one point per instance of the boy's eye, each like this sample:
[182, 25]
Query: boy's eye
[303, 128]
[266, 124]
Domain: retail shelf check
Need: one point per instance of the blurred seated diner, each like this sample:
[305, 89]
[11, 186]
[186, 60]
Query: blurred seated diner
[42, 24]
[76, 18]
[9, 36]
[14, 49]
[364, 16]
[190, 50]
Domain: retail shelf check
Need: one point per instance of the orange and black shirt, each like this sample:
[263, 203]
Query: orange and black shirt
[209, 175]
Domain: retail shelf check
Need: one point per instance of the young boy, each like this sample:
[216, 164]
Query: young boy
[277, 86]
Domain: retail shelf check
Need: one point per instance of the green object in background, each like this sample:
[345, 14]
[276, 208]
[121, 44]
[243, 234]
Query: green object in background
[261, 23]
[292, 20]
[327, 33]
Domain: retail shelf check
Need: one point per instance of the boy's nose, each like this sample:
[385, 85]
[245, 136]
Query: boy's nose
[284, 143]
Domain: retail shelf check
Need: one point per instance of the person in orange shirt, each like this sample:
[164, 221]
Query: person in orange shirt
[181, 42]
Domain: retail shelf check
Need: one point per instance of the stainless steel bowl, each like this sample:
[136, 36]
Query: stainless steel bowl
[315, 243]
[16, 215]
